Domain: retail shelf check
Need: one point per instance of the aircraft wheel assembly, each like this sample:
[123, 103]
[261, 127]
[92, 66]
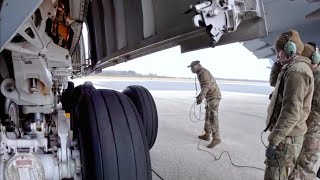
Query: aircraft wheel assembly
[147, 109]
[112, 140]
[66, 99]
[77, 94]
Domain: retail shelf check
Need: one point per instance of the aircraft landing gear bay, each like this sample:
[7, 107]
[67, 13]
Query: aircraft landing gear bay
[50, 129]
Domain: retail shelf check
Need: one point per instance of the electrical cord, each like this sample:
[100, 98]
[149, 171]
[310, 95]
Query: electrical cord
[195, 84]
[224, 152]
[193, 111]
[262, 140]
[227, 152]
[42, 150]
[193, 106]
[199, 119]
[156, 174]
[17, 129]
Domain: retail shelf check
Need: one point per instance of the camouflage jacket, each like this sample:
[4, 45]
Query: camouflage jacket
[313, 121]
[209, 86]
[290, 105]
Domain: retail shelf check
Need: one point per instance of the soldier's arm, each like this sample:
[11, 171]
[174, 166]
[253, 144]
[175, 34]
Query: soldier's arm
[275, 70]
[313, 121]
[295, 88]
[205, 81]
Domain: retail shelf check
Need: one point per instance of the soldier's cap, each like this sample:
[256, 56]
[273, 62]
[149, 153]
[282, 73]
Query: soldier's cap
[193, 63]
[309, 49]
[292, 35]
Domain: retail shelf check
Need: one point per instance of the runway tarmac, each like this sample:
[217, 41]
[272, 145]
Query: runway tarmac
[186, 85]
[176, 156]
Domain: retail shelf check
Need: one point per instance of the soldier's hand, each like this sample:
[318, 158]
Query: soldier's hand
[270, 96]
[271, 152]
[199, 100]
[278, 64]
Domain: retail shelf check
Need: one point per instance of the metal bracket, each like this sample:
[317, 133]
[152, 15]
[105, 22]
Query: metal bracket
[27, 67]
[14, 144]
[220, 17]
[64, 153]
[30, 33]
[62, 127]
[13, 14]
[47, 109]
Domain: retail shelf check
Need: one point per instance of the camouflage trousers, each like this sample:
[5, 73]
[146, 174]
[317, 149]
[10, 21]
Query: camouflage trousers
[211, 119]
[307, 160]
[288, 151]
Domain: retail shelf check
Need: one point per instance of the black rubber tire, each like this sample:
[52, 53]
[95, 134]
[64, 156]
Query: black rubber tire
[79, 91]
[2, 101]
[77, 94]
[66, 97]
[112, 139]
[147, 109]
[6, 71]
[5, 104]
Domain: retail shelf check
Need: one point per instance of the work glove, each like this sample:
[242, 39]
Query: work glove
[199, 100]
[270, 96]
[271, 152]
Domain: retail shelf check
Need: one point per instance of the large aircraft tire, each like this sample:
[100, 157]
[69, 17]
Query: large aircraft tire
[7, 107]
[147, 109]
[112, 138]
[2, 101]
[77, 94]
[66, 97]
[6, 104]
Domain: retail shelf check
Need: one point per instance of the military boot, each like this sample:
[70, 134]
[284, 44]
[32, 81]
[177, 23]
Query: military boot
[214, 142]
[205, 137]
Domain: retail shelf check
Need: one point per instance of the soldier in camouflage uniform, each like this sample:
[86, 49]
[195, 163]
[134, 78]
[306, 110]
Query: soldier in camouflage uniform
[211, 92]
[309, 154]
[289, 107]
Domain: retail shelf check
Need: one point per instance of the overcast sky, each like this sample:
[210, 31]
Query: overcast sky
[228, 61]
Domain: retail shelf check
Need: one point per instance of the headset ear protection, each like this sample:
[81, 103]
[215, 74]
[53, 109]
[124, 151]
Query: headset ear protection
[315, 57]
[290, 47]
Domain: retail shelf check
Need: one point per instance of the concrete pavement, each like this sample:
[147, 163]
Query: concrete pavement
[175, 155]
